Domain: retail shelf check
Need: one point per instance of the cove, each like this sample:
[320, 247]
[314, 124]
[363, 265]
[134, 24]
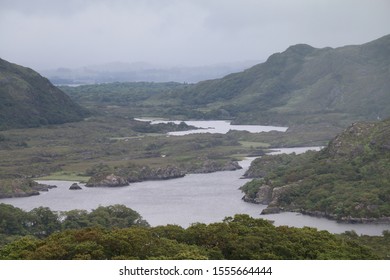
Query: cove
[204, 198]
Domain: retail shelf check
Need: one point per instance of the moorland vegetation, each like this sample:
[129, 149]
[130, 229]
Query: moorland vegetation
[90, 134]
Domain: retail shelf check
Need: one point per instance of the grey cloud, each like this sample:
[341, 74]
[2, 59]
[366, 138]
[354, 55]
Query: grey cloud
[54, 33]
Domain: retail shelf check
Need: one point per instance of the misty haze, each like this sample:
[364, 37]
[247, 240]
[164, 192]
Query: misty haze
[195, 130]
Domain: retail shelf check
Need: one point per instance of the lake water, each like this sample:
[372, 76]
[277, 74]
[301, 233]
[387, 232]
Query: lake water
[194, 198]
[216, 127]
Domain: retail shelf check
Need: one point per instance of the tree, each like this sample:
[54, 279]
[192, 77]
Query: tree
[116, 216]
[42, 222]
[12, 220]
[75, 219]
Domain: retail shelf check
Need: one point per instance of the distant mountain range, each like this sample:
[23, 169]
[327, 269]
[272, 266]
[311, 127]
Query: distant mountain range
[302, 85]
[29, 100]
[141, 72]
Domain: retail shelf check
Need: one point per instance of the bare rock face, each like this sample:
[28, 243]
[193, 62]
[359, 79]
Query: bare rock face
[109, 181]
[270, 210]
[264, 195]
[276, 192]
[162, 173]
[210, 166]
[267, 195]
[273, 206]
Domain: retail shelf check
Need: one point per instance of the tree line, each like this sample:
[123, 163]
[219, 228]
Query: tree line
[118, 232]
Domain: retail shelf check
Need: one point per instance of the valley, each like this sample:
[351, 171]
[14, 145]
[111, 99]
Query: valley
[97, 135]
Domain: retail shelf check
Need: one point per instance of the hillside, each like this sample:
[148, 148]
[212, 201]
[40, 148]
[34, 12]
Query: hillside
[302, 85]
[29, 100]
[348, 180]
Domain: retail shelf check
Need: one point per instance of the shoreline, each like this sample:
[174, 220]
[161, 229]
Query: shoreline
[330, 217]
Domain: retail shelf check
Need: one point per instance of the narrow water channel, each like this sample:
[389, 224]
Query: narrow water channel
[194, 198]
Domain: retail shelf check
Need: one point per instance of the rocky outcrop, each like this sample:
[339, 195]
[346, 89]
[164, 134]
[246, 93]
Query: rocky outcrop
[21, 194]
[351, 143]
[269, 196]
[231, 166]
[263, 196]
[24, 188]
[274, 206]
[44, 187]
[271, 210]
[277, 192]
[110, 180]
[162, 173]
[210, 166]
[75, 186]
[135, 174]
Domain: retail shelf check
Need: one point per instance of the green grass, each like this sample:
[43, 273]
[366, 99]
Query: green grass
[111, 137]
[249, 144]
[65, 176]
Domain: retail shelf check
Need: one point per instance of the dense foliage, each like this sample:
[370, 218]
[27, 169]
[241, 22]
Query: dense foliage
[117, 232]
[347, 179]
[41, 222]
[380, 244]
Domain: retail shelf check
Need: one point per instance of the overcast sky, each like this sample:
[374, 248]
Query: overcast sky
[45, 34]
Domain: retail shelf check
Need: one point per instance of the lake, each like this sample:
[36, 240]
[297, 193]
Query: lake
[194, 198]
[215, 127]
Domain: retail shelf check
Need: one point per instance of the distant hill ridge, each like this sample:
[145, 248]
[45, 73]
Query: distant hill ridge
[141, 72]
[28, 100]
[302, 84]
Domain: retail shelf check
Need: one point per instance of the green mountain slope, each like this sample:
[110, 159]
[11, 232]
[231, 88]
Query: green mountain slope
[28, 100]
[300, 85]
[347, 180]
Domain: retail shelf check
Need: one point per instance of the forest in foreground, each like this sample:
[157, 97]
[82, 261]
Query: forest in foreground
[118, 232]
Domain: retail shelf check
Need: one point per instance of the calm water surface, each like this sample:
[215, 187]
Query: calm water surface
[217, 127]
[194, 198]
